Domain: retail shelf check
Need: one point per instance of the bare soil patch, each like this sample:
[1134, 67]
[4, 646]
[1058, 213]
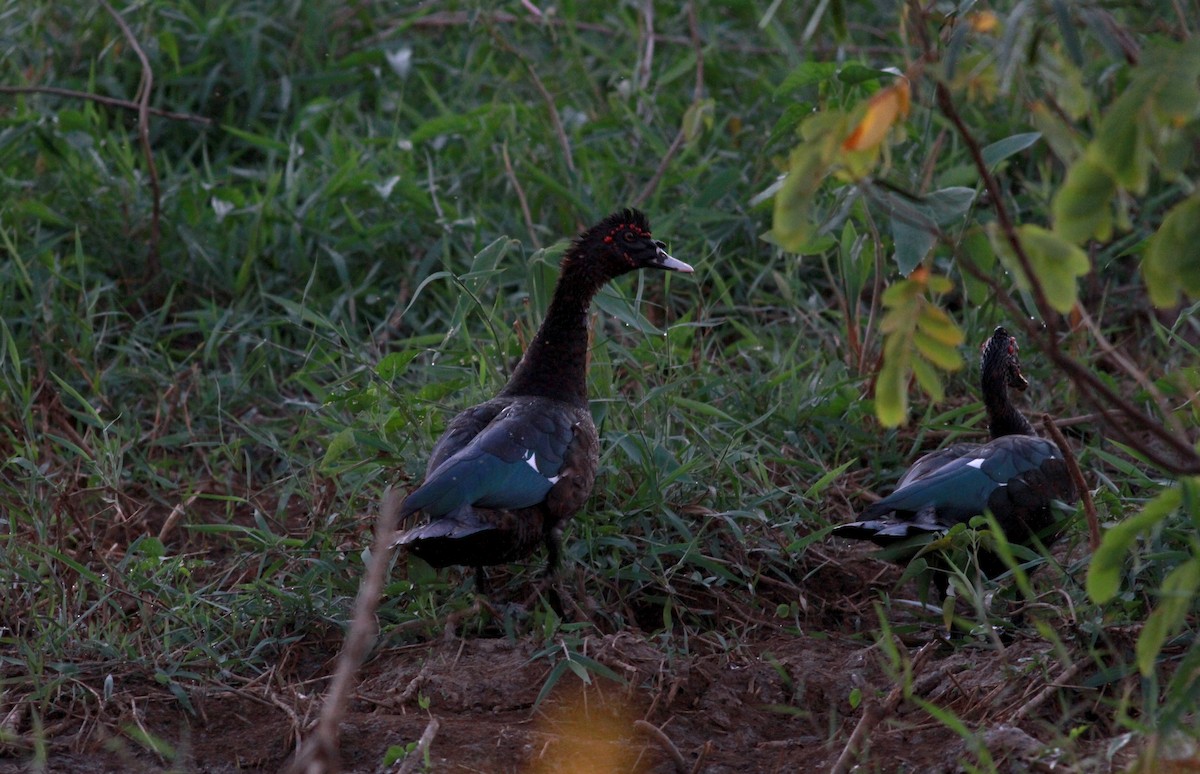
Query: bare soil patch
[776, 701]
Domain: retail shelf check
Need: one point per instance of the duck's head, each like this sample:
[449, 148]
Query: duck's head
[1000, 363]
[619, 244]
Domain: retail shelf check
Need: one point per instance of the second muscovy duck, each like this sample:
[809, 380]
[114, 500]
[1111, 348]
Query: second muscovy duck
[507, 474]
[1016, 476]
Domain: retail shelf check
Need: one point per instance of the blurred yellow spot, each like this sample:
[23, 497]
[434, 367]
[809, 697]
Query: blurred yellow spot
[984, 22]
[586, 737]
[884, 109]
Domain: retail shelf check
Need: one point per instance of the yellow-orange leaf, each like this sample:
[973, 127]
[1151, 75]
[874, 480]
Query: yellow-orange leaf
[884, 109]
[984, 22]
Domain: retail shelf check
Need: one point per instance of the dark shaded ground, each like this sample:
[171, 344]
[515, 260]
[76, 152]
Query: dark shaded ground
[773, 702]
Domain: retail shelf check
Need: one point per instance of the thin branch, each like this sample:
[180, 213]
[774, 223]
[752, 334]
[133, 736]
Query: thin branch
[145, 88]
[106, 101]
[319, 753]
[875, 712]
[551, 108]
[1089, 507]
[1132, 370]
[876, 291]
[512, 178]
[417, 756]
[1046, 692]
[697, 93]
[645, 62]
[664, 741]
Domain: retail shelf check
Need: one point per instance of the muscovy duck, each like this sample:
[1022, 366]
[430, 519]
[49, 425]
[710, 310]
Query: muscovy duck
[1016, 475]
[509, 473]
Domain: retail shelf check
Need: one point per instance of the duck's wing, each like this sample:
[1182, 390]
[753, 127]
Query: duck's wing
[512, 462]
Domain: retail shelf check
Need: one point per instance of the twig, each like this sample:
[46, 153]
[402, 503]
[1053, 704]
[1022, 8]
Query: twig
[697, 93]
[512, 178]
[1045, 693]
[319, 753]
[645, 62]
[876, 291]
[698, 766]
[145, 87]
[106, 101]
[1089, 507]
[1132, 370]
[551, 108]
[664, 741]
[414, 758]
[875, 711]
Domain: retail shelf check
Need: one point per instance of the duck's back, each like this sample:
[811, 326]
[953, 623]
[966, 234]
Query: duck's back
[502, 476]
[1015, 477]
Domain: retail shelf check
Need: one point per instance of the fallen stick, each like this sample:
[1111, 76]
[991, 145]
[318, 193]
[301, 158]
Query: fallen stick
[664, 741]
[875, 712]
[414, 758]
[319, 753]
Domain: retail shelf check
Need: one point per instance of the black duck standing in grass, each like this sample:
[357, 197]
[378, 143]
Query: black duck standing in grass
[508, 474]
[1016, 475]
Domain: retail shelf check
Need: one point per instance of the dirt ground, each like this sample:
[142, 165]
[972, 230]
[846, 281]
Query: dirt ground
[775, 702]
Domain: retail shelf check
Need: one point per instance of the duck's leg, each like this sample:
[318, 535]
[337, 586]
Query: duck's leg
[553, 541]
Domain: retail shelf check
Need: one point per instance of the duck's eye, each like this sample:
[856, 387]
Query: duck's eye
[628, 236]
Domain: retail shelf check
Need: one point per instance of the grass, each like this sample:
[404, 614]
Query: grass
[194, 448]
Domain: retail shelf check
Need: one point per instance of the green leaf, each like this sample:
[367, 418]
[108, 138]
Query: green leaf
[793, 223]
[891, 394]
[257, 140]
[697, 118]
[914, 223]
[700, 407]
[903, 300]
[945, 357]
[1170, 263]
[1175, 599]
[1104, 574]
[1082, 208]
[855, 73]
[806, 74]
[1121, 147]
[393, 365]
[936, 324]
[824, 481]
[928, 378]
[1009, 146]
[912, 243]
[1055, 261]
[457, 123]
[338, 446]
[40, 211]
[168, 44]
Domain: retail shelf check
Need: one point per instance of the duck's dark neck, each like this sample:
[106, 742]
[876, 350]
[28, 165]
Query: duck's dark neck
[555, 364]
[1003, 416]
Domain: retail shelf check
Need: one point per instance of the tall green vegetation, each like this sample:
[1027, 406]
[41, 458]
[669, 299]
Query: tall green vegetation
[229, 320]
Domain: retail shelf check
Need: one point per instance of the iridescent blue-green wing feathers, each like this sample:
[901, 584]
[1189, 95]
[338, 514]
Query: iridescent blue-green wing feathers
[512, 463]
[1015, 477]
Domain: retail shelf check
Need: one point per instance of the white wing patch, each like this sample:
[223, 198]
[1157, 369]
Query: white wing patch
[976, 463]
[531, 460]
